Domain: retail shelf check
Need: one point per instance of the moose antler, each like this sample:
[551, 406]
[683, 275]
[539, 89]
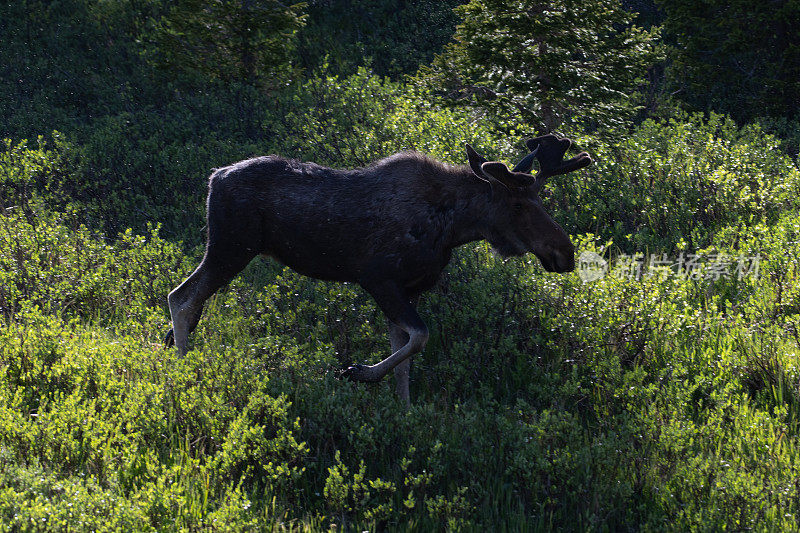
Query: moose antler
[550, 150]
[527, 162]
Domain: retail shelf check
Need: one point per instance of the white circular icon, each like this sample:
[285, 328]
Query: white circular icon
[591, 266]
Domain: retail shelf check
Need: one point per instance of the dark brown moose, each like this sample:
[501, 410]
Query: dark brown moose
[390, 227]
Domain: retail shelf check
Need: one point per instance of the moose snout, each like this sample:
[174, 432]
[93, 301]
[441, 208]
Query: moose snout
[565, 262]
[558, 260]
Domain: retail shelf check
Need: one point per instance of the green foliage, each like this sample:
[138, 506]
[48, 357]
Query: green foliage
[72, 60]
[673, 185]
[738, 57]
[28, 174]
[66, 270]
[231, 40]
[391, 37]
[547, 66]
[352, 121]
[261, 444]
[371, 499]
[541, 402]
[337, 120]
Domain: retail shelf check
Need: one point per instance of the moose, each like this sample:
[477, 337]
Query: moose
[391, 227]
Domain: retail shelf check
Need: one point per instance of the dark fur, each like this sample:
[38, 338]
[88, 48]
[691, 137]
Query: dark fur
[400, 216]
[390, 227]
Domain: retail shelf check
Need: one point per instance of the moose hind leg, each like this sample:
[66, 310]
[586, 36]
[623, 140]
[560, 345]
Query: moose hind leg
[186, 306]
[186, 301]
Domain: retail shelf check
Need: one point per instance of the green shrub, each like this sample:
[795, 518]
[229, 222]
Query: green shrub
[541, 401]
[68, 270]
[674, 185]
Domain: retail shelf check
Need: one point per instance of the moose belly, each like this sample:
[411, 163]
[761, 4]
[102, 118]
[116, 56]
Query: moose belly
[317, 261]
[351, 248]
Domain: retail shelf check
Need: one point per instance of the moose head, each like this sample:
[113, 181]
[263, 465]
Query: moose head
[521, 224]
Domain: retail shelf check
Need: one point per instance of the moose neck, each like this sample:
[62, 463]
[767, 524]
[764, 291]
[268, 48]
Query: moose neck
[472, 211]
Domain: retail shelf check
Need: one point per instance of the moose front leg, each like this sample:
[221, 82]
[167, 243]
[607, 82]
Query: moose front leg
[397, 339]
[407, 334]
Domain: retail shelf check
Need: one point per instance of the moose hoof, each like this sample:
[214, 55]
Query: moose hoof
[169, 339]
[360, 373]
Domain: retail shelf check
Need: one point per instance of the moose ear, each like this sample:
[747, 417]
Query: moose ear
[475, 161]
[510, 179]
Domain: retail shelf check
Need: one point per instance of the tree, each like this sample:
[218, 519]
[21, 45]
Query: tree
[392, 37]
[233, 40]
[546, 63]
[735, 56]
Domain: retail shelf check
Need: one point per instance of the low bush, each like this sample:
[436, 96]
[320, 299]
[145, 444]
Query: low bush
[661, 399]
[541, 401]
